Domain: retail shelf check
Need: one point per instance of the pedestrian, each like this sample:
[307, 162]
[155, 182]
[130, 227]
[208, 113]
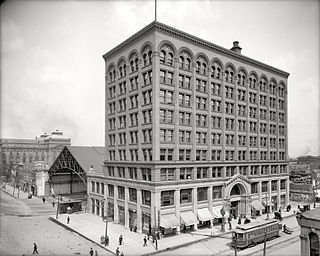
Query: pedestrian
[35, 249]
[120, 239]
[43, 200]
[91, 252]
[148, 234]
[117, 251]
[230, 225]
[107, 240]
[68, 220]
[53, 204]
[144, 241]
[96, 253]
[239, 221]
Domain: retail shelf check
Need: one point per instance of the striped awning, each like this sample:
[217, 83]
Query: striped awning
[169, 221]
[188, 218]
[204, 214]
[256, 204]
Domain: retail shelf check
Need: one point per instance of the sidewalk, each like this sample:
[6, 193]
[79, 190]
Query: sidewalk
[17, 193]
[92, 227]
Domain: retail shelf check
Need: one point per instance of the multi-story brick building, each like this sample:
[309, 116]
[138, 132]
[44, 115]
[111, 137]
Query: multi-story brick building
[190, 127]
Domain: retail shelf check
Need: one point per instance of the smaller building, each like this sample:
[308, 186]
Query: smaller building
[310, 232]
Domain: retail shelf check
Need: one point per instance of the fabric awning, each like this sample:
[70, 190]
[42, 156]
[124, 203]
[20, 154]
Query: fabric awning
[169, 221]
[204, 214]
[256, 204]
[216, 212]
[188, 218]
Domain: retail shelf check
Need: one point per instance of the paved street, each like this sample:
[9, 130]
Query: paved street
[25, 221]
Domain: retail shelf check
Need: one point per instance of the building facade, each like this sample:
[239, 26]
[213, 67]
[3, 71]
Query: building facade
[191, 127]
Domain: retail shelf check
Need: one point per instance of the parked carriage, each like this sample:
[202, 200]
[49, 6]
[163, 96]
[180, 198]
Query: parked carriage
[253, 233]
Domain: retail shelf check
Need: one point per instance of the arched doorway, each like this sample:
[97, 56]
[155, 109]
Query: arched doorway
[314, 244]
[238, 200]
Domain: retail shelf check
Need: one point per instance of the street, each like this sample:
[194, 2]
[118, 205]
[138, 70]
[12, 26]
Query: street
[25, 221]
[221, 245]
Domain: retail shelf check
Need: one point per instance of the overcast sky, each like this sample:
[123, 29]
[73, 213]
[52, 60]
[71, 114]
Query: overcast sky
[52, 70]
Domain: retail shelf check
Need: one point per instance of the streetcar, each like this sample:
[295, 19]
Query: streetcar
[255, 232]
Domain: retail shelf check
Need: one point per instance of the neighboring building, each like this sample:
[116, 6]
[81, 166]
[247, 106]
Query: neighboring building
[304, 178]
[68, 174]
[191, 127]
[25, 151]
[310, 232]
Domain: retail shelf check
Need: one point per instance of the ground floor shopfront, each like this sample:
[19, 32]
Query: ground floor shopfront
[178, 208]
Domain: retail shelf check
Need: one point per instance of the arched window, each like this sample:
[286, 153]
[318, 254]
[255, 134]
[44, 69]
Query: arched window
[314, 244]
[181, 62]
[170, 58]
[198, 67]
[162, 57]
[188, 64]
[150, 57]
[132, 66]
[145, 59]
[204, 68]
[235, 190]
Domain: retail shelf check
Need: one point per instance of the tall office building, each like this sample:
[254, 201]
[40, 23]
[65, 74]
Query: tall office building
[191, 127]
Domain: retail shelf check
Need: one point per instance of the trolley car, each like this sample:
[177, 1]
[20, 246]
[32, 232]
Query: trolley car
[253, 233]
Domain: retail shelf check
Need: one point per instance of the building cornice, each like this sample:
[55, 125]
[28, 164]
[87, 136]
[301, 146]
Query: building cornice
[157, 26]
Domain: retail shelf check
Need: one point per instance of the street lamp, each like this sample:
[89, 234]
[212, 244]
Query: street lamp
[106, 217]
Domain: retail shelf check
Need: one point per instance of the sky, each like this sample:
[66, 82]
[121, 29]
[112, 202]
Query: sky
[52, 70]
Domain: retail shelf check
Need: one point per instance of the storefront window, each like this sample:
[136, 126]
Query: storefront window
[185, 196]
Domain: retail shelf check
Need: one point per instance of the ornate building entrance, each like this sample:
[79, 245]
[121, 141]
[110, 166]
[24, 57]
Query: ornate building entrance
[237, 195]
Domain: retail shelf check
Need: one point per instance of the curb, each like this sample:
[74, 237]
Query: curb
[72, 230]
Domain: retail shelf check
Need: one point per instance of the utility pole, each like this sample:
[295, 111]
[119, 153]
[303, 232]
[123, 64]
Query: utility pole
[57, 208]
[265, 244]
[155, 227]
[235, 243]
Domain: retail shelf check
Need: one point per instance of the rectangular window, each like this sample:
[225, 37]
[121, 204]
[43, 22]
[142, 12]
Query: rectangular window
[185, 173]
[146, 197]
[110, 190]
[217, 192]
[185, 196]
[121, 194]
[202, 194]
[167, 198]
[254, 188]
[132, 195]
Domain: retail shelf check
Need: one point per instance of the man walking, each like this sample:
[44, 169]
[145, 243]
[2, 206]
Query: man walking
[68, 220]
[117, 251]
[120, 239]
[144, 241]
[91, 252]
[35, 249]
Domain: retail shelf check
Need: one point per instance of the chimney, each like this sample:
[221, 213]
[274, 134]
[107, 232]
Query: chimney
[236, 48]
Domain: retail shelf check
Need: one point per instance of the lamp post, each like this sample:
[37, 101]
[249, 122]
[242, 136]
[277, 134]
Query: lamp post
[267, 206]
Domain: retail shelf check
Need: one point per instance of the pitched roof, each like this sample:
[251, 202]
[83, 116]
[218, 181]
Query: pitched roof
[87, 156]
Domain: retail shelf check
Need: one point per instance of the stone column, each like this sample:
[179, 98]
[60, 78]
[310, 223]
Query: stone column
[177, 209]
[287, 191]
[259, 191]
[195, 205]
[210, 203]
[139, 214]
[115, 204]
[126, 207]
[279, 195]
